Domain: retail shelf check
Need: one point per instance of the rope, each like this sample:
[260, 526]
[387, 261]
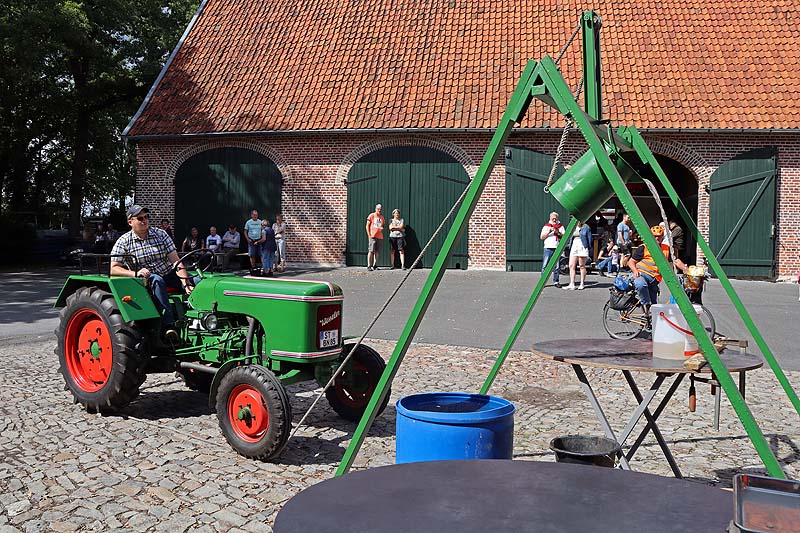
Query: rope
[569, 42]
[380, 312]
[562, 142]
[667, 232]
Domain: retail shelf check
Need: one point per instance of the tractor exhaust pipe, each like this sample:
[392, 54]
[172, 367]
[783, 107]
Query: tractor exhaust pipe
[198, 367]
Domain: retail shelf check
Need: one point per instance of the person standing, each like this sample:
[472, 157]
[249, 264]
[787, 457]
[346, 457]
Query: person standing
[551, 233]
[397, 239]
[230, 245]
[578, 254]
[192, 241]
[624, 234]
[252, 233]
[677, 237]
[374, 227]
[280, 229]
[268, 247]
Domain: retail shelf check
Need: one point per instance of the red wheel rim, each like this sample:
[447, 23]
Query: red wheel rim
[88, 350]
[248, 413]
[354, 385]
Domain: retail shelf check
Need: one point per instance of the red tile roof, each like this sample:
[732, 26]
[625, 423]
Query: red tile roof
[266, 65]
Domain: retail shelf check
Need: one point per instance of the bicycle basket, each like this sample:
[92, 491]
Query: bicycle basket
[620, 300]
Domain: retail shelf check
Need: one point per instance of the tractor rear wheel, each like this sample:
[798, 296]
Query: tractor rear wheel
[353, 388]
[254, 412]
[98, 352]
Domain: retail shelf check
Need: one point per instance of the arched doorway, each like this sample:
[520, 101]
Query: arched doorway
[220, 186]
[685, 185]
[423, 183]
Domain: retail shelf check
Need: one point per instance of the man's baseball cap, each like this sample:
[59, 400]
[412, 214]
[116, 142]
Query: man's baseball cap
[135, 210]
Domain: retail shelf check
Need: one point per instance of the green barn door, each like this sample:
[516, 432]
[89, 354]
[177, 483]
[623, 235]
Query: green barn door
[435, 187]
[528, 207]
[220, 186]
[742, 214]
[422, 183]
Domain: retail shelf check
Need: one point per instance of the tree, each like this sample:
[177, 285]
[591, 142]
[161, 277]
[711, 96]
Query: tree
[74, 72]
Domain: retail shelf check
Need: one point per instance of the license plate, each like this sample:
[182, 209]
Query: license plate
[329, 338]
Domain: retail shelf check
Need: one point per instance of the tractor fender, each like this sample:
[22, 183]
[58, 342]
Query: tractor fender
[132, 297]
[228, 365]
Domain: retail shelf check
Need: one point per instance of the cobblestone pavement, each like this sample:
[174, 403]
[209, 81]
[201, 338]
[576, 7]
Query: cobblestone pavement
[163, 465]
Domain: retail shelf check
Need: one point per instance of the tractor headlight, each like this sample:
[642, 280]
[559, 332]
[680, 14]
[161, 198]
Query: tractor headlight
[210, 321]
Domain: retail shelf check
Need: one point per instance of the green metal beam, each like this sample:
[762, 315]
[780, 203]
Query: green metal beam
[635, 138]
[516, 109]
[609, 170]
[592, 76]
[512, 338]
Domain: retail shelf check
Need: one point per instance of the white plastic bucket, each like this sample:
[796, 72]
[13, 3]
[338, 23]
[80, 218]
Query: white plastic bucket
[672, 338]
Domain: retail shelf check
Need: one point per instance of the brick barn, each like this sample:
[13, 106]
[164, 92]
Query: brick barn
[321, 109]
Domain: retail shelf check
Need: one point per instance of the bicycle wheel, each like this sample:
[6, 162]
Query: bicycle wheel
[624, 324]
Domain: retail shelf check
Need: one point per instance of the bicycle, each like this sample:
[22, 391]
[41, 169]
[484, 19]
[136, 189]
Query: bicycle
[624, 316]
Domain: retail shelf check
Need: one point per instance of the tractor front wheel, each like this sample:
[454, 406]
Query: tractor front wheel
[98, 352]
[254, 412]
[353, 388]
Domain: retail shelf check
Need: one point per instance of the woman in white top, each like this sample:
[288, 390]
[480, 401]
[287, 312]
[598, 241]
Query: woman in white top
[397, 238]
[280, 229]
[578, 254]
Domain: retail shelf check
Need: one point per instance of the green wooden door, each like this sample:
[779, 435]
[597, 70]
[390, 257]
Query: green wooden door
[422, 183]
[528, 207]
[742, 214]
[221, 186]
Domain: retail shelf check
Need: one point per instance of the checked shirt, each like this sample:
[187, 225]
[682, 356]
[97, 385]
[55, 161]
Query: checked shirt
[151, 252]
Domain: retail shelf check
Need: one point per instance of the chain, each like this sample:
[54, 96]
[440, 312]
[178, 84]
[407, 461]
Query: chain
[562, 142]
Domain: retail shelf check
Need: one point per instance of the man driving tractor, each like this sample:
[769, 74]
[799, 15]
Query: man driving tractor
[646, 276]
[155, 254]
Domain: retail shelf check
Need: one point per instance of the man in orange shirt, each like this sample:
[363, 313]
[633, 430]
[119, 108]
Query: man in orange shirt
[375, 224]
[646, 276]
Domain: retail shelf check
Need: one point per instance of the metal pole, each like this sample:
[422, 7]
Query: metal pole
[592, 75]
[516, 109]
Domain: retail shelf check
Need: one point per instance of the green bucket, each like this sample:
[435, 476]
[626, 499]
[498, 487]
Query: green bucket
[584, 189]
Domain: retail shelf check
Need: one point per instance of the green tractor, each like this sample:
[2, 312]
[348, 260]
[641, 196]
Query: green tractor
[241, 340]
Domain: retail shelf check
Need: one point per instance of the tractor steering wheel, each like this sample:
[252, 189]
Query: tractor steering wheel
[195, 260]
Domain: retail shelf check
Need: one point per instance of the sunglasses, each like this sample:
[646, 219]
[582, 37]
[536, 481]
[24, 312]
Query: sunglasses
[143, 218]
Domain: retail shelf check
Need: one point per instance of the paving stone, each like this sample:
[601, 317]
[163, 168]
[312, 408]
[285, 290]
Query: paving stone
[143, 471]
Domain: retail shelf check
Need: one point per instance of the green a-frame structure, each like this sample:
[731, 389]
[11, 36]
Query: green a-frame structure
[543, 81]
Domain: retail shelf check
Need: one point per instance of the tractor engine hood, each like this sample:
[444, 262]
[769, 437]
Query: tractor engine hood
[237, 294]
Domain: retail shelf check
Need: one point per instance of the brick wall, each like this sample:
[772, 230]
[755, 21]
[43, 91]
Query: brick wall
[315, 198]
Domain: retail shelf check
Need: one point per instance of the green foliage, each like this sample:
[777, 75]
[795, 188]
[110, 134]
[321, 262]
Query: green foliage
[72, 73]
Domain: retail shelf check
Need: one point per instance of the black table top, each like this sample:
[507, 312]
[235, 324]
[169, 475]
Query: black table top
[635, 355]
[496, 495]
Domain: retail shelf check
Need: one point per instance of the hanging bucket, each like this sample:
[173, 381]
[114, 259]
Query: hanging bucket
[437, 426]
[583, 189]
[583, 450]
[672, 338]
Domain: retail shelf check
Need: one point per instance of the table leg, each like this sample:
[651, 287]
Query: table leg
[598, 411]
[652, 417]
[742, 382]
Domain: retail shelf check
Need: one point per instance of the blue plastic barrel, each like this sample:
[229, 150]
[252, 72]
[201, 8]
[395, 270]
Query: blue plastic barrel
[437, 426]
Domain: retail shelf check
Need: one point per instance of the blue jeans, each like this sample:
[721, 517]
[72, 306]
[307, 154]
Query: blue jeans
[253, 250]
[548, 253]
[606, 265]
[158, 286]
[267, 259]
[646, 288]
